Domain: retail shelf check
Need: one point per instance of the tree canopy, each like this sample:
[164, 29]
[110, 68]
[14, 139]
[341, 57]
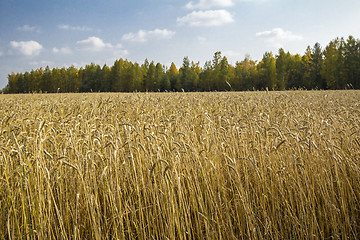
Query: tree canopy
[335, 67]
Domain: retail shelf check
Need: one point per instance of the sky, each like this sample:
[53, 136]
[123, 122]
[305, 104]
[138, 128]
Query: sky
[62, 33]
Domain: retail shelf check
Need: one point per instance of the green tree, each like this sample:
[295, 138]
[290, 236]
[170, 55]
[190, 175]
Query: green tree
[307, 69]
[159, 72]
[172, 75]
[267, 72]
[282, 69]
[12, 86]
[150, 77]
[116, 75]
[187, 77]
[352, 62]
[105, 79]
[295, 72]
[225, 75]
[137, 72]
[91, 80]
[205, 83]
[333, 67]
[245, 75]
[46, 80]
[72, 84]
[317, 65]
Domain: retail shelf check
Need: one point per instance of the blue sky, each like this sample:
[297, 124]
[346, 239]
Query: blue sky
[61, 33]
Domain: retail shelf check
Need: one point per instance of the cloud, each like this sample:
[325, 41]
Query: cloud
[74, 28]
[94, 44]
[201, 39]
[42, 63]
[278, 34]
[207, 4]
[121, 52]
[27, 48]
[277, 37]
[206, 18]
[231, 53]
[144, 36]
[28, 28]
[64, 50]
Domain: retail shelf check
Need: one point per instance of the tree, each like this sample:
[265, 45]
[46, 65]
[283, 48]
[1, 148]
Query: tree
[333, 67]
[117, 75]
[165, 83]
[73, 83]
[225, 74]
[150, 77]
[267, 72]
[295, 72]
[307, 60]
[187, 76]
[196, 69]
[317, 65]
[352, 62]
[172, 75]
[159, 72]
[138, 77]
[205, 77]
[245, 75]
[312, 66]
[282, 69]
[91, 79]
[12, 86]
[105, 79]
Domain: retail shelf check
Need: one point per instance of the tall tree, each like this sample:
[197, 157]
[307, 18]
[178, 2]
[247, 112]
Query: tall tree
[333, 67]
[105, 79]
[172, 74]
[267, 72]
[186, 76]
[225, 74]
[295, 74]
[245, 74]
[117, 75]
[205, 82]
[282, 69]
[159, 72]
[317, 65]
[307, 67]
[352, 62]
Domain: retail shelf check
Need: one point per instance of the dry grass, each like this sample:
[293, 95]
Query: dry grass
[276, 165]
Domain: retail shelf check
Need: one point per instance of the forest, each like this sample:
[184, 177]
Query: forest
[337, 66]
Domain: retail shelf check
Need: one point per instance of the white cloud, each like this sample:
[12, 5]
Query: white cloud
[74, 28]
[119, 51]
[277, 35]
[1, 53]
[94, 44]
[27, 48]
[42, 63]
[231, 53]
[143, 35]
[206, 18]
[28, 28]
[207, 4]
[201, 39]
[64, 50]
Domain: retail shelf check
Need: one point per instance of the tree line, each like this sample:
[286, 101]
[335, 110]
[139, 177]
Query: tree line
[335, 67]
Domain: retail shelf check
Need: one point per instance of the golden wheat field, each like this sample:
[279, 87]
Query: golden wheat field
[251, 165]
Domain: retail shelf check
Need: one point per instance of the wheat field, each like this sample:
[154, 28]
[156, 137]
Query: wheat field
[250, 165]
